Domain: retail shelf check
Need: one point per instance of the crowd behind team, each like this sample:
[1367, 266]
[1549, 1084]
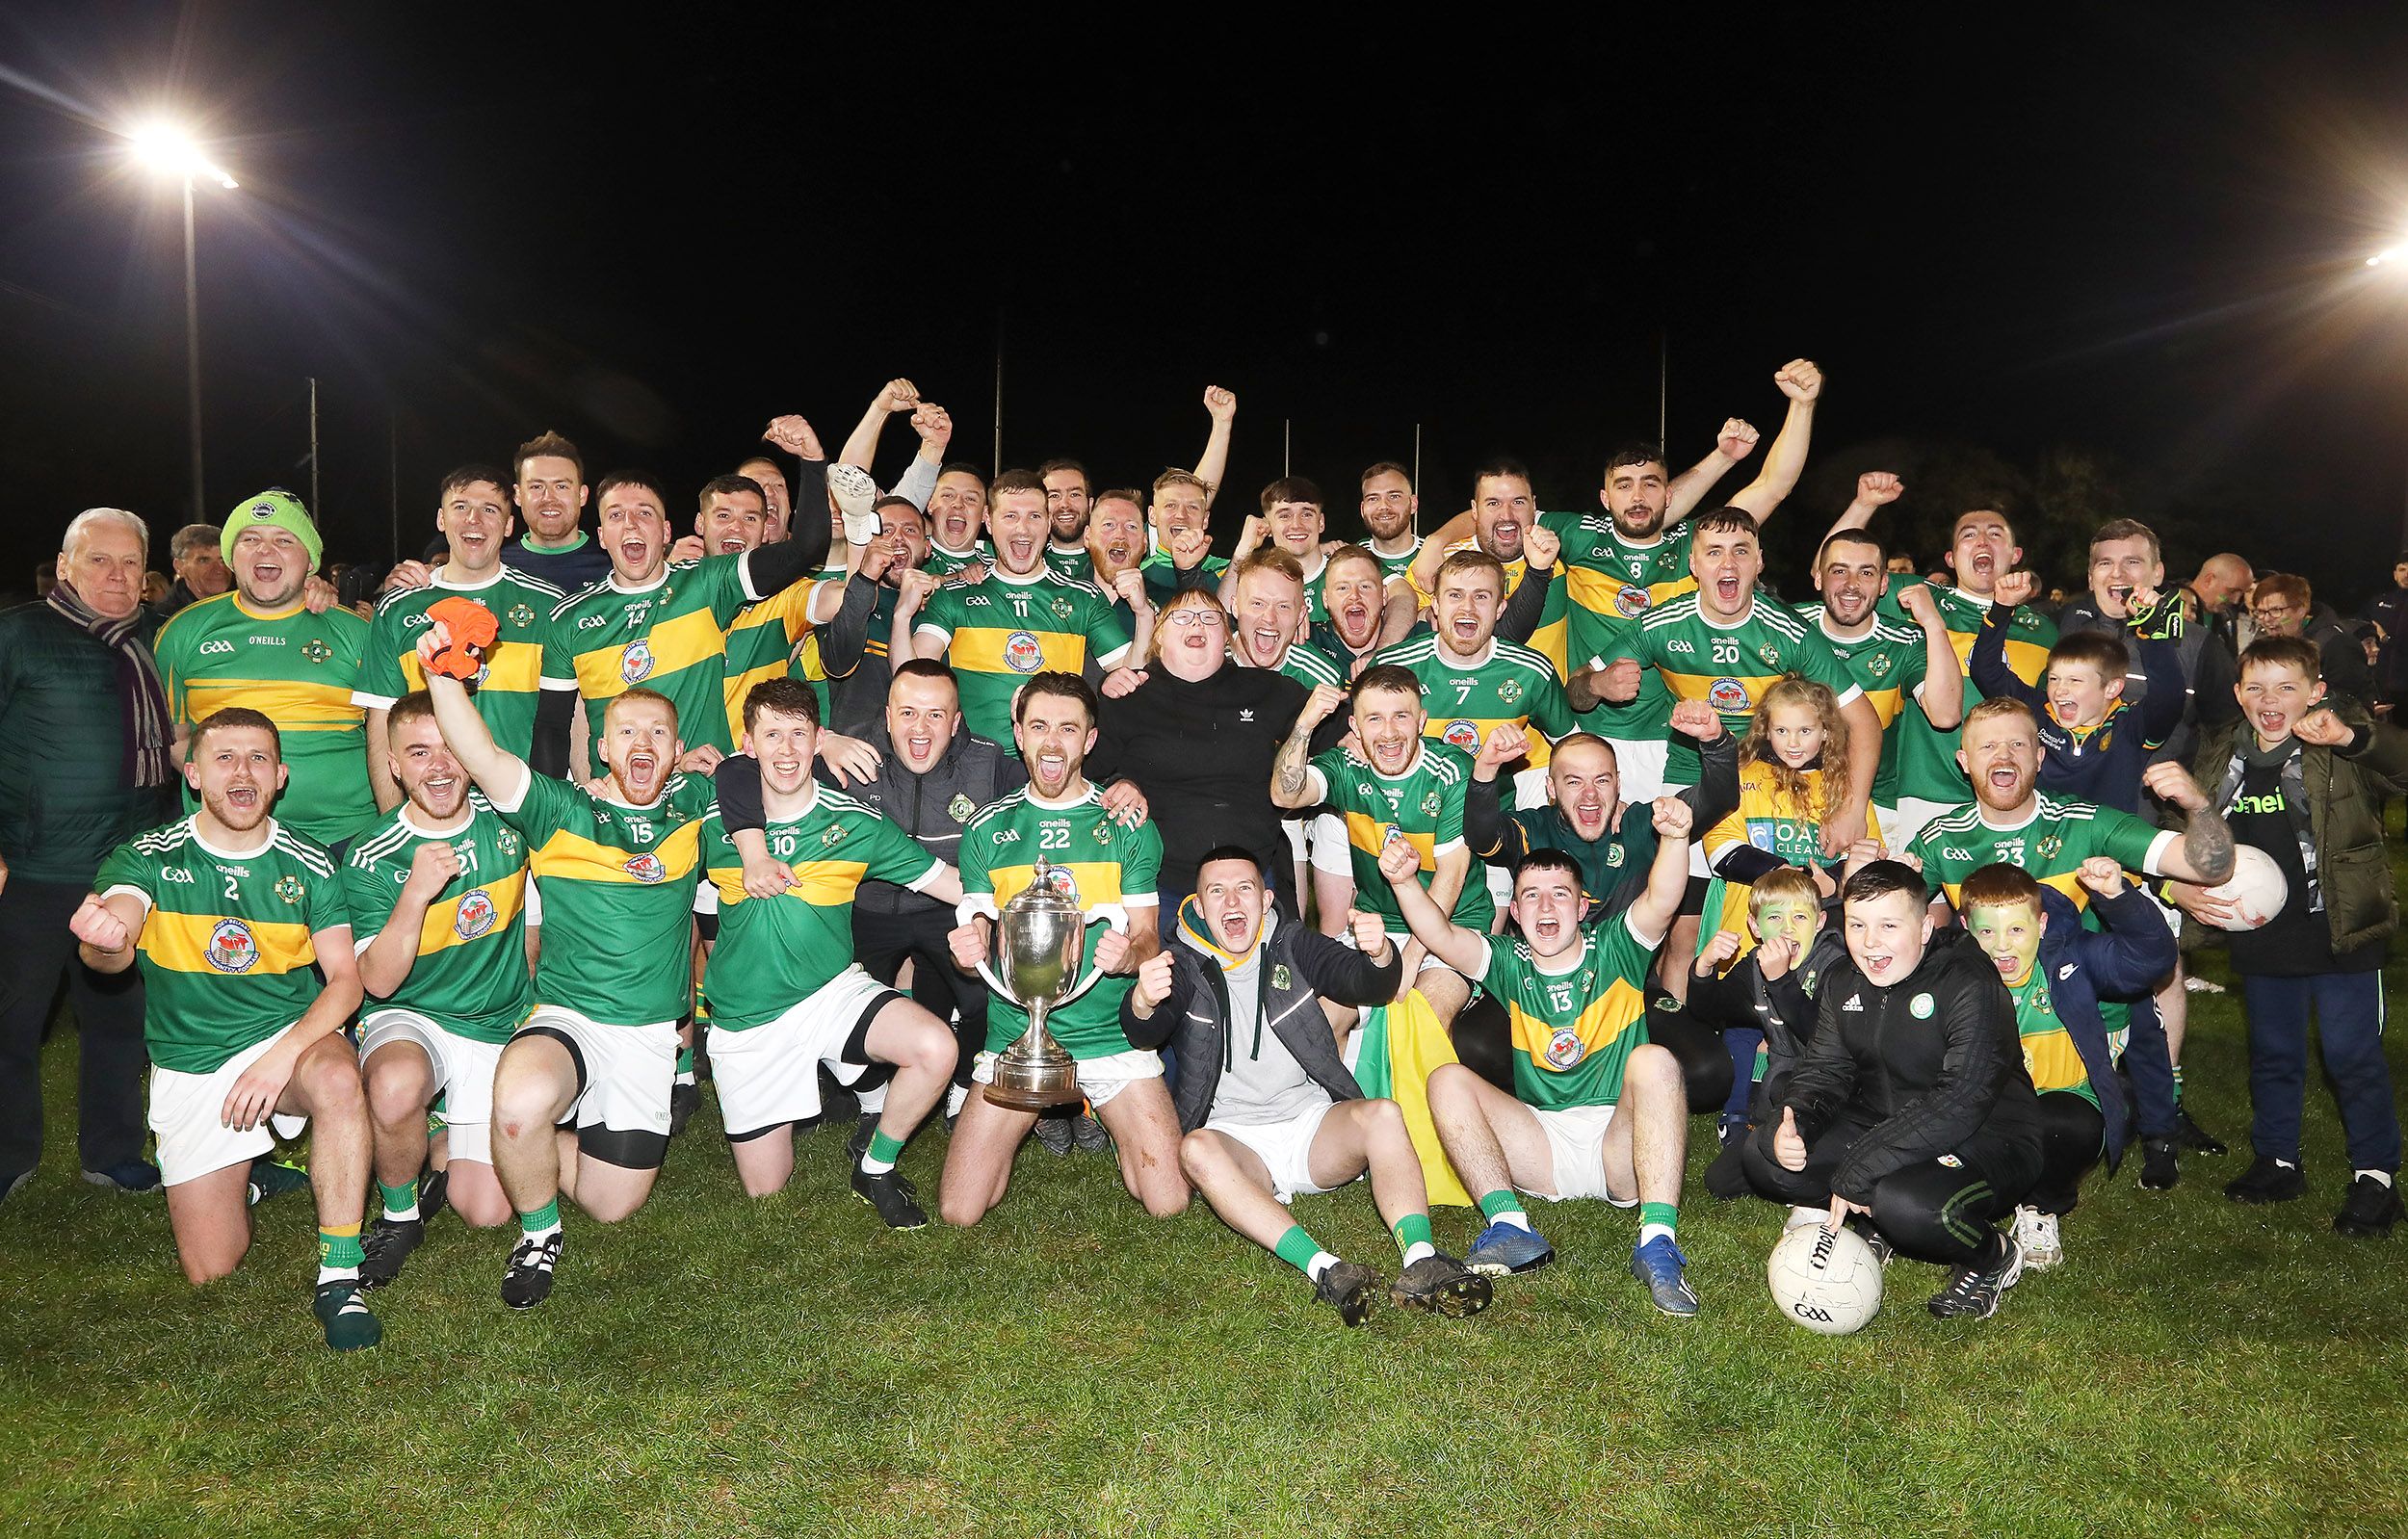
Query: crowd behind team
[1476, 862]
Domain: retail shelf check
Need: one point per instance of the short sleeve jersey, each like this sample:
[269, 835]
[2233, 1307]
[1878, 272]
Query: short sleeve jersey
[506, 687]
[1889, 662]
[774, 953]
[1504, 685]
[1573, 1030]
[2050, 1056]
[618, 885]
[1394, 565]
[1310, 665]
[767, 641]
[1000, 631]
[1092, 860]
[1926, 755]
[1551, 639]
[470, 977]
[2051, 844]
[1766, 818]
[298, 670]
[672, 637]
[1611, 583]
[1424, 806]
[1729, 667]
[1070, 565]
[227, 945]
[942, 562]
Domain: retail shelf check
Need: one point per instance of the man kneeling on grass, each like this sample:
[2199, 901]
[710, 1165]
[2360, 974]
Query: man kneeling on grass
[1597, 1111]
[1265, 1105]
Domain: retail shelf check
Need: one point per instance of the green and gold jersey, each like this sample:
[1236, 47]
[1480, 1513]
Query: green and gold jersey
[1766, 818]
[1727, 667]
[617, 884]
[1889, 662]
[1466, 699]
[2050, 844]
[1398, 565]
[299, 671]
[1551, 639]
[773, 954]
[471, 973]
[942, 562]
[1070, 565]
[230, 940]
[1573, 1030]
[505, 689]
[1424, 806]
[772, 640]
[1000, 631]
[1310, 665]
[2050, 1056]
[1087, 856]
[671, 638]
[1611, 583]
[1927, 756]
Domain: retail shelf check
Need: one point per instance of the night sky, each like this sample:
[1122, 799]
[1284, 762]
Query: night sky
[2140, 235]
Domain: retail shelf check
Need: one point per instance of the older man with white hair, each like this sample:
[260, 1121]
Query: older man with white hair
[83, 765]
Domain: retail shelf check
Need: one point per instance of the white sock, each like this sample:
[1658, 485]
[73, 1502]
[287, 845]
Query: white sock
[2286, 1164]
[1801, 1217]
[1649, 1232]
[545, 1233]
[1321, 1263]
[1517, 1218]
[873, 1166]
[337, 1274]
[1417, 1250]
[685, 1077]
[2383, 1176]
[955, 1096]
[400, 1215]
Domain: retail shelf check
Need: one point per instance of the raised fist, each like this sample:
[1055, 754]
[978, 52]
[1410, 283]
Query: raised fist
[1400, 862]
[434, 865]
[1695, 718]
[1618, 681]
[1540, 546]
[1221, 403]
[900, 395]
[1736, 440]
[1718, 952]
[934, 425]
[794, 435]
[1112, 950]
[2015, 589]
[2322, 728]
[2169, 781]
[913, 587]
[1673, 817]
[1154, 980]
[1326, 700]
[97, 927]
[2102, 875]
[1799, 380]
[1877, 487]
[1507, 743]
[1370, 934]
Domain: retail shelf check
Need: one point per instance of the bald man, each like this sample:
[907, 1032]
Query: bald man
[2217, 595]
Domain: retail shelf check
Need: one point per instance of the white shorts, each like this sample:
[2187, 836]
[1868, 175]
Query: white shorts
[769, 1075]
[1912, 813]
[463, 1074]
[1885, 827]
[1639, 764]
[1576, 1145]
[188, 1110]
[1331, 852]
[1293, 828]
[1101, 1079]
[623, 1075]
[1285, 1148]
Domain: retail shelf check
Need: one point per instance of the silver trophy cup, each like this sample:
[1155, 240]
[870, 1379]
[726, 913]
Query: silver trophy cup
[1040, 938]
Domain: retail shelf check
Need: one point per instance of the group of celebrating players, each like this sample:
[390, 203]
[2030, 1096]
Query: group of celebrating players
[1888, 883]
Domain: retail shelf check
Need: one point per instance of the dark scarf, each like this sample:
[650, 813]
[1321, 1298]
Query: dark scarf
[141, 700]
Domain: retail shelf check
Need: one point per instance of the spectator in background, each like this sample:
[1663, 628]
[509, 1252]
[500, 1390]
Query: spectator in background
[199, 570]
[2214, 598]
[83, 765]
[2282, 604]
[2389, 611]
[155, 587]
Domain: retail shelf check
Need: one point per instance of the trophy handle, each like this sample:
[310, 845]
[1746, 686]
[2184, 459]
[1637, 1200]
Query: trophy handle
[1112, 913]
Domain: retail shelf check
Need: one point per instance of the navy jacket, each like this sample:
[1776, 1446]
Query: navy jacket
[2124, 961]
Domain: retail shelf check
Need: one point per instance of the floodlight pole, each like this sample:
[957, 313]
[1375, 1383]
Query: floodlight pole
[192, 354]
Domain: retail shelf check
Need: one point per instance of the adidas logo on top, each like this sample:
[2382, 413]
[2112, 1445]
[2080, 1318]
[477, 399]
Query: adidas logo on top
[1852, 1002]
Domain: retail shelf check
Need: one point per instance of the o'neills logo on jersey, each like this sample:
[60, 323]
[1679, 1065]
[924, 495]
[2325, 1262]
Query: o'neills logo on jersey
[476, 914]
[635, 665]
[1564, 1048]
[1630, 601]
[1464, 735]
[231, 949]
[1727, 695]
[646, 868]
[1023, 652]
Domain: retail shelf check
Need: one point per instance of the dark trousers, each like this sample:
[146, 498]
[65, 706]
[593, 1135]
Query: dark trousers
[2149, 1064]
[108, 1017]
[880, 942]
[1947, 1215]
[2071, 1140]
[2349, 1027]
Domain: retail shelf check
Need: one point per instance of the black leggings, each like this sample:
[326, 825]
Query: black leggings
[2071, 1138]
[881, 944]
[1945, 1214]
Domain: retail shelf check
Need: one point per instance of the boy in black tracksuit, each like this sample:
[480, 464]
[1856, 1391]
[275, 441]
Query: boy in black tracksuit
[1911, 1106]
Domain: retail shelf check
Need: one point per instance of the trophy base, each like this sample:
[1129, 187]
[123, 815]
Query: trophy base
[1033, 1084]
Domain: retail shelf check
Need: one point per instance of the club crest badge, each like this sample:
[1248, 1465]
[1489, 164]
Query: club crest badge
[1629, 601]
[960, 808]
[1564, 1048]
[1060, 879]
[231, 948]
[647, 868]
[1728, 695]
[521, 616]
[1613, 856]
[315, 650]
[289, 888]
[1878, 663]
[1023, 652]
[1463, 735]
[1429, 805]
[476, 914]
[831, 835]
[1771, 654]
[635, 665]
[2049, 845]
[1064, 609]
[1509, 691]
[1920, 1007]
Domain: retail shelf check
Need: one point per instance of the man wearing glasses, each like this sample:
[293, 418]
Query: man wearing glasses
[2282, 604]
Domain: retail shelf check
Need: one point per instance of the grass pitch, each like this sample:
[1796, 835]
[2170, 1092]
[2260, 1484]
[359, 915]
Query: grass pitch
[716, 1366]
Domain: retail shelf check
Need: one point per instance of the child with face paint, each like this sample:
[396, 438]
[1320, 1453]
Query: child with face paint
[1758, 989]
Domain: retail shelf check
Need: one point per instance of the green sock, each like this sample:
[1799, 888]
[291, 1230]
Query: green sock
[1299, 1250]
[2178, 1084]
[545, 1218]
[401, 1202]
[684, 1064]
[1504, 1207]
[339, 1247]
[881, 1156]
[1412, 1230]
[1654, 1215]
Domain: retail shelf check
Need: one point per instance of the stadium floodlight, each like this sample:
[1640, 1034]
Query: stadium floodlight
[165, 147]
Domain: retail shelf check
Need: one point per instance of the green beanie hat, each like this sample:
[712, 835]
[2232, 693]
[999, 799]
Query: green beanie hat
[277, 508]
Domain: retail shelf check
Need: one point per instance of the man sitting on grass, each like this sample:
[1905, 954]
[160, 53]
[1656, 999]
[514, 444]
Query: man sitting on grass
[1266, 1106]
[1598, 1110]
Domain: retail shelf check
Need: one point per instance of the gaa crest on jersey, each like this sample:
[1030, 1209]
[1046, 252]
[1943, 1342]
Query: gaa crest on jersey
[1920, 1007]
[1564, 1048]
[1509, 691]
[647, 868]
[2049, 845]
[1629, 601]
[1613, 856]
[1727, 695]
[1770, 653]
[635, 665]
[1023, 652]
[1429, 805]
[1464, 735]
[476, 914]
[1064, 609]
[289, 888]
[831, 835]
[315, 650]
[960, 808]
[521, 616]
[2040, 1002]
[231, 948]
[1878, 663]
